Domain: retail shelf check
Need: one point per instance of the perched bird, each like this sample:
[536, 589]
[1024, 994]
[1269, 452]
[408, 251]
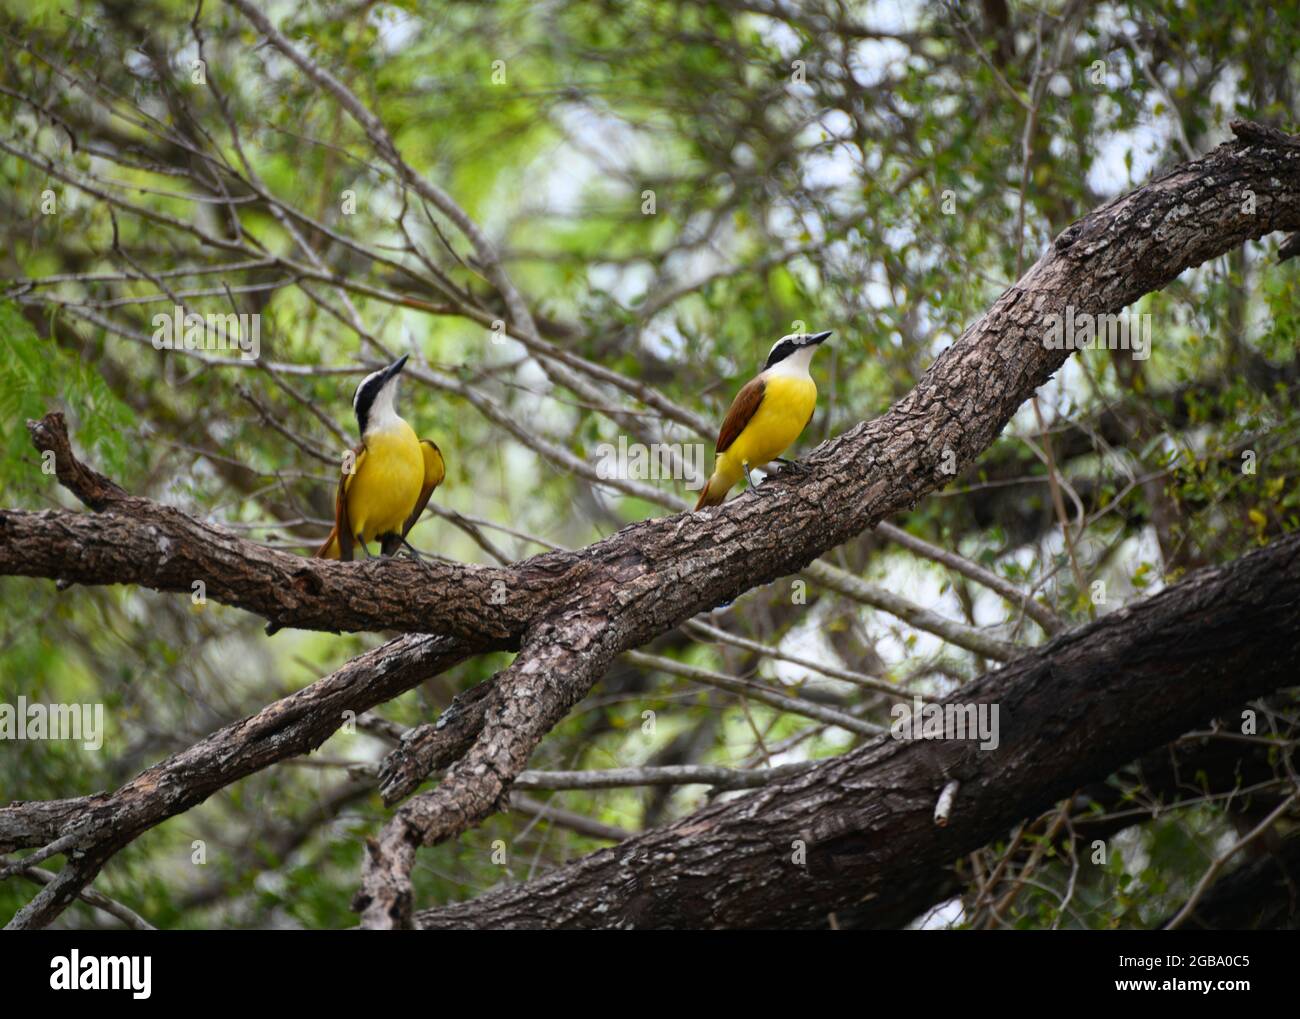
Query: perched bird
[392, 473]
[767, 415]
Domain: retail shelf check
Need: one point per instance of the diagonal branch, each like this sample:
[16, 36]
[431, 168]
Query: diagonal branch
[1070, 712]
[1041, 614]
[553, 670]
[90, 829]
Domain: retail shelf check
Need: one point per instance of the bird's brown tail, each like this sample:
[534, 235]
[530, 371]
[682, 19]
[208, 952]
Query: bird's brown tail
[714, 492]
[330, 550]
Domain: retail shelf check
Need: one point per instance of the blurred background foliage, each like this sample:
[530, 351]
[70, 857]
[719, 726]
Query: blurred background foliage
[884, 170]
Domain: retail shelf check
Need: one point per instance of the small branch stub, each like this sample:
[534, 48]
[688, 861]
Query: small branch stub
[943, 808]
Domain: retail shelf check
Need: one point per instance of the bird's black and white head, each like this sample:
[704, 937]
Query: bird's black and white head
[794, 352]
[375, 401]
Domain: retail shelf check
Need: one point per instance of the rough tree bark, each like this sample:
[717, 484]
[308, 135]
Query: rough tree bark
[1070, 713]
[1187, 770]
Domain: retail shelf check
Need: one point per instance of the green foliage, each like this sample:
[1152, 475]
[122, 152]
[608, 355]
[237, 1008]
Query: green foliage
[37, 377]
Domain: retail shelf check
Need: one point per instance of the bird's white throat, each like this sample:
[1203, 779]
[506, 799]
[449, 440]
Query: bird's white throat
[383, 412]
[794, 366]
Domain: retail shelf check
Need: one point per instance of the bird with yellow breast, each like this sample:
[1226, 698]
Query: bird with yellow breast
[389, 478]
[769, 413]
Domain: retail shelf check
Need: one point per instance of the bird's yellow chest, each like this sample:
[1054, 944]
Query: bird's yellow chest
[787, 405]
[386, 486]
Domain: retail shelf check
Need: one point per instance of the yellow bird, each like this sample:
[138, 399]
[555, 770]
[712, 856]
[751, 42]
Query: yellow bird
[392, 473]
[768, 414]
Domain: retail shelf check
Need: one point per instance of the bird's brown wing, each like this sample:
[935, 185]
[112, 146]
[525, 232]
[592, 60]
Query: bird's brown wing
[743, 407]
[342, 524]
[435, 469]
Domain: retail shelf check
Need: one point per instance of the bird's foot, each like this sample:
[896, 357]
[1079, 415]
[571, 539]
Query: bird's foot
[795, 465]
[762, 488]
[414, 553]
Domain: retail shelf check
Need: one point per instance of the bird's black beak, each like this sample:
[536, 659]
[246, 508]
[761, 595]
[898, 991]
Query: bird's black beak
[819, 337]
[395, 367]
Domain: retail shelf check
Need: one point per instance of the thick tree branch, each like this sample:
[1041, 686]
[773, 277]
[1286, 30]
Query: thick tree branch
[551, 673]
[1187, 771]
[1070, 713]
[130, 540]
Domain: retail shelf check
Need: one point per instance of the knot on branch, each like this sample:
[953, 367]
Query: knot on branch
[50, 435]
[1252, 133]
